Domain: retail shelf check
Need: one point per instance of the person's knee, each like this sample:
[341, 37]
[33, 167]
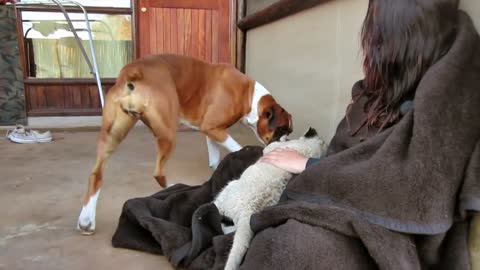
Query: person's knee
[295, 245]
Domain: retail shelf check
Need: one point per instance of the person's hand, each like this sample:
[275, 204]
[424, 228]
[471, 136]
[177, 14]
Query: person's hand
[287, 159]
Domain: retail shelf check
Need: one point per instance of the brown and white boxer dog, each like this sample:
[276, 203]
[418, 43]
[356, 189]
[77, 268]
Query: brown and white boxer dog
[165, 90]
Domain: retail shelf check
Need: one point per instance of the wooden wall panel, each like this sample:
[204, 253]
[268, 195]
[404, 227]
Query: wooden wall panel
[186, 32]
[59, 99]
[199, 28]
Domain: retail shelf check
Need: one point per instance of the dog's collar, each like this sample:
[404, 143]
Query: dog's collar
[258, 92]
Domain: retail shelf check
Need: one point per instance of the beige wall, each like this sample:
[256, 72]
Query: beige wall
[256, 5]
[472, 7]
[310, 60]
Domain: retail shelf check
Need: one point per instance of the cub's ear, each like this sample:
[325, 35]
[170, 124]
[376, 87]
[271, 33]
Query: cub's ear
[311, 132]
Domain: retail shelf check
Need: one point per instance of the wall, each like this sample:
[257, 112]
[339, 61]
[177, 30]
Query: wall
[310, 60]
[256, 5]
[472, 7]
[12, 94]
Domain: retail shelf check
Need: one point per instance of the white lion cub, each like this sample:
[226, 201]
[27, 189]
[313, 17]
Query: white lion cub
[258, 187]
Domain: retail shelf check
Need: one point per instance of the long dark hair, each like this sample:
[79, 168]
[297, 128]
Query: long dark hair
[401, 39]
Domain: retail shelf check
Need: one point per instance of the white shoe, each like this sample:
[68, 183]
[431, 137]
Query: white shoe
[20, 135]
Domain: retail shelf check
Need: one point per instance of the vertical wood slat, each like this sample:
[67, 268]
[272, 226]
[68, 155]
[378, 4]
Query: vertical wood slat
[41, 99]
[188, 32]
[85, 95]
[166, 30]
[201, 34]
[68, 97]
[77, 98]
[195, 33]
[152, 21]
[173, 31]
[224, 31]
[181, 30]
[95, 98]
[32, 100]
[208, 35]
[158, 36]
[215, 45]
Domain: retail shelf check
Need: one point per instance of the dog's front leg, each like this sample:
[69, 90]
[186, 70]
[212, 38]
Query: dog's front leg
[213, 153]
[231, 145]
[221, 137]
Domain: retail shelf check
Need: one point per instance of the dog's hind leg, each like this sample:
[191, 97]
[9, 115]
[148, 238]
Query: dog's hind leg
[164, 149]
[164, 133]
[115, 126]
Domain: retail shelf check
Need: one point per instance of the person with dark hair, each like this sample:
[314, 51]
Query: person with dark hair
[410, 48]
[399, 184]
[401, 40]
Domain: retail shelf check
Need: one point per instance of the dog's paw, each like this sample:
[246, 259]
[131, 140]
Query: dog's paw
[86, 225]
[213, 166]
[162, 181]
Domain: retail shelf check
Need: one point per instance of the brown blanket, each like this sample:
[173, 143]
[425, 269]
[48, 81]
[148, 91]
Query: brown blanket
[396, 200]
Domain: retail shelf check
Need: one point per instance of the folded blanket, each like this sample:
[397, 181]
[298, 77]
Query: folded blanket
[399, 198]
[179, 222]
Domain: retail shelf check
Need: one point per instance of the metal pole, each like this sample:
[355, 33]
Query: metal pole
[93, 69]
[79, 42]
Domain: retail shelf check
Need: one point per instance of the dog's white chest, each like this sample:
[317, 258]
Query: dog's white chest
[259, 91]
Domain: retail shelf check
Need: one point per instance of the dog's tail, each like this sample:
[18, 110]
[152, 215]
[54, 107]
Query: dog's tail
[241, 242]
[132, 102]
[132, 74]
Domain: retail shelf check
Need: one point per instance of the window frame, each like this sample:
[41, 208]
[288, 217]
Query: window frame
[69, 9]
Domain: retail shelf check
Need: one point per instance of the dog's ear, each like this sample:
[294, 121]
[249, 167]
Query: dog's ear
[281, 122]
[272, 117]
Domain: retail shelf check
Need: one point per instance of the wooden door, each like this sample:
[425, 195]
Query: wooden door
[198, 28]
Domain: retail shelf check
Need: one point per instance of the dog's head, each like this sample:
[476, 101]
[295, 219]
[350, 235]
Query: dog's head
[273, 120]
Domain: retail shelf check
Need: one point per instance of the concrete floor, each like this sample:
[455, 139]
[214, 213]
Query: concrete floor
[41, 188]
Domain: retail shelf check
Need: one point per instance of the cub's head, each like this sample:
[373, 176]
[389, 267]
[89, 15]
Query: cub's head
[273, 120]
[309, 145]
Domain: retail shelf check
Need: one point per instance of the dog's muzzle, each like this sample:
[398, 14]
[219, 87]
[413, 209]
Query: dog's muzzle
[279, 132]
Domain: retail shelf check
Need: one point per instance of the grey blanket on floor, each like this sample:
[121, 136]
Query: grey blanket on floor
[400, 198]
